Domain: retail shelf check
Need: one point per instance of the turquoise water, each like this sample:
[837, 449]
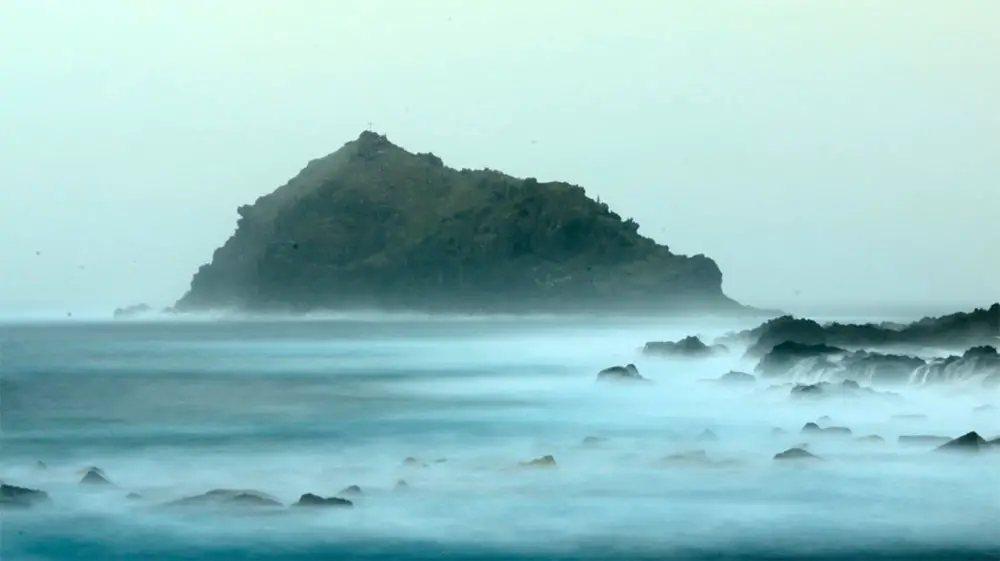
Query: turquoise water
[173, 409]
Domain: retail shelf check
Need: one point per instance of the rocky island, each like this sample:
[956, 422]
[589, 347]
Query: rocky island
[373, 226]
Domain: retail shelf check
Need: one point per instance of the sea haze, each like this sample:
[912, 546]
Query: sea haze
[169, 409]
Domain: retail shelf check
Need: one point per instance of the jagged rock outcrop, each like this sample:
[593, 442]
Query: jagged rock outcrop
[780, 360]
[374, 226]
[688, 347]
[12, 496]
[311, 500]
[968, 442]
[954, 331]
[826, 363]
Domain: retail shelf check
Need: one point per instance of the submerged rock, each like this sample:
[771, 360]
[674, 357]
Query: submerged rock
[132, 311]
[593, 441]
[94, 476]
[688, 347]
[351, 491]
[311, 500]
[843, 389]
[12, 496]
[689, 458]
[413, 462]
[627, 373]
[401, 485]
[707, 435]
[871, 439]
[543, 462]
[968, 442]
[227, 498]
[909, 417]
[735, 377]
[922, 440]
[796, 454]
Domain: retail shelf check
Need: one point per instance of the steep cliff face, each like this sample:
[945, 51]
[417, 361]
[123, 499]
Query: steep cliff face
[373, 225]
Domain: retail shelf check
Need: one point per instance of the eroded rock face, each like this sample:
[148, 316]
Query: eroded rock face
[14, 497]
[688, 347]
[628, 374]
[780, 360]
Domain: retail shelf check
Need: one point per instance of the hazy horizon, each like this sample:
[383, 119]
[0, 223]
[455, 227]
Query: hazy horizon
[826, 156]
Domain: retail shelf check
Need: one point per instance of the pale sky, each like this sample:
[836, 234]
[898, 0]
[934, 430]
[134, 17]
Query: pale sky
[822, 152]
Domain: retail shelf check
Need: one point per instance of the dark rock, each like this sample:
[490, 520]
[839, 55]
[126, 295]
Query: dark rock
[763, 339]
[960, 330]
[351, 491]
[796, 454]
[374, 226]
[12, 496]
[982, 361]
[968, 442]
[228, 498]
[785, 356]
[311, 500]
[844, 389]
[688, 347]
[810, 427]
[734, 377]
[627, 373]
[882, 369]
[94, 476]
[922, 440]
[543, 462]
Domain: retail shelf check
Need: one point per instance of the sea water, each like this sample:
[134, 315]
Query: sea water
[169, 409]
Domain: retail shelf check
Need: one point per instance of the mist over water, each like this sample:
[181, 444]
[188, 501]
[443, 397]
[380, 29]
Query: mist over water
[170, 409]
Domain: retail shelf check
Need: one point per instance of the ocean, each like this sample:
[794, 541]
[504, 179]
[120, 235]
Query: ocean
[169, 409]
